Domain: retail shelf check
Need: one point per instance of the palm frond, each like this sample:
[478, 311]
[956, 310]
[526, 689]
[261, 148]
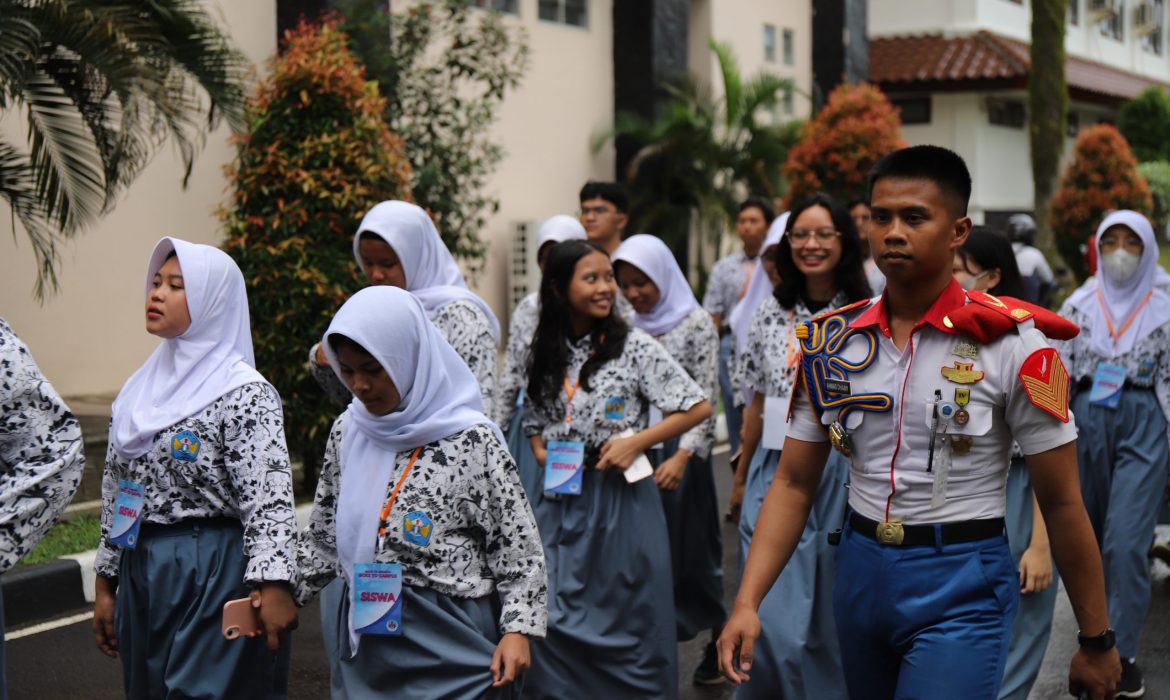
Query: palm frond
[18, 188]
[732, 82]
[62, 155]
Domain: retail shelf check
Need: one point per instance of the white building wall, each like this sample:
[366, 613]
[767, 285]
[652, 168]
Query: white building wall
[90, 336]
[1011, 19]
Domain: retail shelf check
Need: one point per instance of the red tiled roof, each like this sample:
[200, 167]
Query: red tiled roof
[984, 58]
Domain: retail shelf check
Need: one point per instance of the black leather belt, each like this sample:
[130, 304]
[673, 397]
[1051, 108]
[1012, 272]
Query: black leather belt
[896, 534]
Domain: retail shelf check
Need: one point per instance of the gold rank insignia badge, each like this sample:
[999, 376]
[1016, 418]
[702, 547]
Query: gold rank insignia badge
[966, 350]
[890, 533]
[963, 373]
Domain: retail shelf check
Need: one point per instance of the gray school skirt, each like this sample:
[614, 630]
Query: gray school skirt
[445, 650]
[169, 613]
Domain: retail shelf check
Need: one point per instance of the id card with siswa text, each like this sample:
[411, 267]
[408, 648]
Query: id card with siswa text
[1108, 383]
[127, 514]
[564, 467]
[377, 599]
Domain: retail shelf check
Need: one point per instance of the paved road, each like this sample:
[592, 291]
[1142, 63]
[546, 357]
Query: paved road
[63, 664]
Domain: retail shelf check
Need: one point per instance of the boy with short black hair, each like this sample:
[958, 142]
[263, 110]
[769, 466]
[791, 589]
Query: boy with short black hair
[925, 391]
[605, 213]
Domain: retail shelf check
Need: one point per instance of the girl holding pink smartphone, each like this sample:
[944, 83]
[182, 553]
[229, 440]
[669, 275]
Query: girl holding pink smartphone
[197, 501]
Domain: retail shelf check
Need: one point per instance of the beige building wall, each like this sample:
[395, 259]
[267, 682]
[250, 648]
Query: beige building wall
[89, 337]
[546, 127]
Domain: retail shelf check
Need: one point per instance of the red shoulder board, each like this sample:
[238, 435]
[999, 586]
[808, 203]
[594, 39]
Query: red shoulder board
[989, 318]
[844, 309]
[1046, 382]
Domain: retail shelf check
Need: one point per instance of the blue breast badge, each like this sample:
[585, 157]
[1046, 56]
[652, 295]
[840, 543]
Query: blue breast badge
[185, 446]
[417, 528]
[615, 408]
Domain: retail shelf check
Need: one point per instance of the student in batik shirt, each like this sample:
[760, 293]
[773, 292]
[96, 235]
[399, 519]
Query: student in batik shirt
[666, 308]
[398, 245]
[415, 475]
[820, 263]
[41, 457]
[1124, 342]
[591, 381]
[200, 434]
[510, 400]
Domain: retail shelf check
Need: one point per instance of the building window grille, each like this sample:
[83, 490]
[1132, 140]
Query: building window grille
[769, 43]
[913, 110]
[789, 47]
[507, 6]
[1009, 113]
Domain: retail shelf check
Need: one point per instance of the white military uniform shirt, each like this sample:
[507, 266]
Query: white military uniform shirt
[890, 452]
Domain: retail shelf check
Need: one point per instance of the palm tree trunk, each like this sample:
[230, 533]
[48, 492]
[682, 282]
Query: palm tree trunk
[1047, 111]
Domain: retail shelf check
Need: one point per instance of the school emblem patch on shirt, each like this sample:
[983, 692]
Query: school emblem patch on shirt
[416, 528]
[615, 408]
[185, 446]
[1046, 382]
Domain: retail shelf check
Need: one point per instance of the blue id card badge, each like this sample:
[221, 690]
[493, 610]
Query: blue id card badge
[377, 599]
[563, 467]
[1108, 383]
[127, 514]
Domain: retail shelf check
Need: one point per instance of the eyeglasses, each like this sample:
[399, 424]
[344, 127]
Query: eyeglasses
[596, 211]
[824, 235]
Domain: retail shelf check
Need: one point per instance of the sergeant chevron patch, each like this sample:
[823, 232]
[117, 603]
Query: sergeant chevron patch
[1046, 382]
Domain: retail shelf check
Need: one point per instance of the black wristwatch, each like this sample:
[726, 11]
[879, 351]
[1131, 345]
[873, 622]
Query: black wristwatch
[1100, 642]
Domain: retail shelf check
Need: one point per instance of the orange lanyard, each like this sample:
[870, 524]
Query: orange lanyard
[749, 268]
[1116, 334]
[570, 392]
[793, 355]
[385, 516]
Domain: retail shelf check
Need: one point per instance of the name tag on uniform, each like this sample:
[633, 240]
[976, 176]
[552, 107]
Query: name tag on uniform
[775, 422]
[1108, 383]
[564, 466]
[655, 419]
[377, 599]
[127, 514]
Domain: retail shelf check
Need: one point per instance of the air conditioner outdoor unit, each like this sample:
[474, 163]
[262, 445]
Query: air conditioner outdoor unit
[523, 273]
[1145, 19]
[1101, 9]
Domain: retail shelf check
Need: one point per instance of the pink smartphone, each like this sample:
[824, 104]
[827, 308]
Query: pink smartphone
[240, 619]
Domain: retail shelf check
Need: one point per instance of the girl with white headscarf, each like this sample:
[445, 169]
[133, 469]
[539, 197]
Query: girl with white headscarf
[820, 265]
[197, 500]
[666, 308]
[398, 245]
[1119, 368]
[415, 475]
[514, 376]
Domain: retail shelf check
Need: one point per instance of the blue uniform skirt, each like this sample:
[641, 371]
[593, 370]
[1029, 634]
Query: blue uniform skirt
[696, 545]
[797, 655]
[531, 473]
[1123, 477]
[611, 628]
[1033, 625]
[169, 617]
[445, 650]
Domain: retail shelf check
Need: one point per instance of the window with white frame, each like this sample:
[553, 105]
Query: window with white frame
[508, 6]
[789, 48]
[1112, 26]
[1074, 12]
[769, 43]
[572, 12]
[1149, 24]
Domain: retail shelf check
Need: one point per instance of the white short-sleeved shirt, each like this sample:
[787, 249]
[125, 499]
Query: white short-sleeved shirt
[889, 473]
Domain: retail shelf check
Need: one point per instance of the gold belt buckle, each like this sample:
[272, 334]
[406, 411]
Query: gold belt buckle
[890, 533]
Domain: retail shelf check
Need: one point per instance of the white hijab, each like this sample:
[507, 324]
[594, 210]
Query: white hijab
[676, 300]
[1123, 297]
[211, 358]
[558, 229]
[431, 272]
[440, 398]
[758, 289]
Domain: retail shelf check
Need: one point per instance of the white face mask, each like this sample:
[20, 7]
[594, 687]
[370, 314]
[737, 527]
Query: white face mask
[1120, 264]
[971, 282]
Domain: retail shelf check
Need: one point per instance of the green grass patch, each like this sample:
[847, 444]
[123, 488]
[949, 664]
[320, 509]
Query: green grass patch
[66, 537]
